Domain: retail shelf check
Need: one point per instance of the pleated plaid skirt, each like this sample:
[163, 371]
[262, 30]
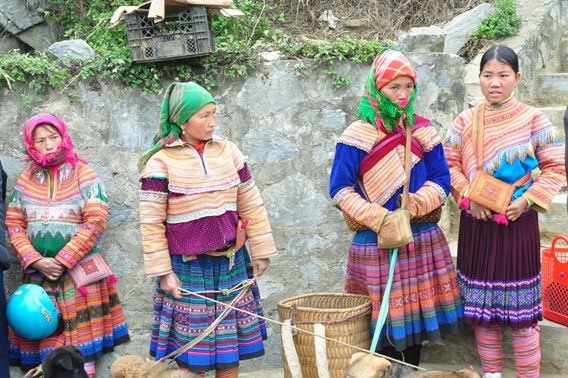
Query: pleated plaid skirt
[176, 322]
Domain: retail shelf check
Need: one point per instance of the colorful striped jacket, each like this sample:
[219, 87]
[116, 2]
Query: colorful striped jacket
[190, 204]
[517, 139]
[57, 213]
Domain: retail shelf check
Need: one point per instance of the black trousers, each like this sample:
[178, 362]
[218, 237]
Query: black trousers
[4, 352]
[410, 355]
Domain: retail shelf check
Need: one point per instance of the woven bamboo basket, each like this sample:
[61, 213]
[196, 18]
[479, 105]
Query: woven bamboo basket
[346, 317]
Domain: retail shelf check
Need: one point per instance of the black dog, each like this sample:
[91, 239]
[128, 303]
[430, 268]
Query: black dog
[64, 362]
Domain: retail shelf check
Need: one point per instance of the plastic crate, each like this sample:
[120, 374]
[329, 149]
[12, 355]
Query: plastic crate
[180, 35]
[555, 282]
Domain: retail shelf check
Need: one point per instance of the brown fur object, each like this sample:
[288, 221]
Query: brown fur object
[137, 367]
[365, 365]
[463, 373]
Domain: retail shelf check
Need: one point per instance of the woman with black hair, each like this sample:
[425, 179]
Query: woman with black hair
[493, 148]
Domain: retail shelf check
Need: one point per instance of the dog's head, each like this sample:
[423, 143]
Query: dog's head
[365, 365]
[468, 373]
[64, 362]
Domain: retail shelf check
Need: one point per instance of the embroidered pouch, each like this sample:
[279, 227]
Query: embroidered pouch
[90, 269]
[395, 231]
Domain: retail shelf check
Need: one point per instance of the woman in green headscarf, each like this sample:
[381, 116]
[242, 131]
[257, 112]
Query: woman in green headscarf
[198, 203]
[366, 183]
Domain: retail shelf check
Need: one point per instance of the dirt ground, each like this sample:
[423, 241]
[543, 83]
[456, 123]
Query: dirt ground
[369, 19]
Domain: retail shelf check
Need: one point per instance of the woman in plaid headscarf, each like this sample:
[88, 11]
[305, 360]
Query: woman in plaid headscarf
[424, 301]
[198, 202]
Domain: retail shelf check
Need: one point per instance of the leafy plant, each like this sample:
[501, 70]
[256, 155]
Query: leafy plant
[238, 41]
[504, 22]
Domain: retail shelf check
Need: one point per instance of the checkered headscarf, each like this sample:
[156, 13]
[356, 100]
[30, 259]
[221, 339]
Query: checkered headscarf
[387, 66]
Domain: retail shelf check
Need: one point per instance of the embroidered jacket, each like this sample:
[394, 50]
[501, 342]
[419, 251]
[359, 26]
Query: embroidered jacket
[60, 213]
[517, 139]
[429, 177]
[190, 204]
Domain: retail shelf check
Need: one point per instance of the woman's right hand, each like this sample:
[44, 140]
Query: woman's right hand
[479, 212]
[50, 268]
[170, 283]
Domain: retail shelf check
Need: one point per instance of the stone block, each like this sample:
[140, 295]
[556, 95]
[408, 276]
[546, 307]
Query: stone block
[552, 88]
[39, 37]
[423, 39]
[460, 28]
[556, 115]
[563, 53]
[555, 221]
[8, 43]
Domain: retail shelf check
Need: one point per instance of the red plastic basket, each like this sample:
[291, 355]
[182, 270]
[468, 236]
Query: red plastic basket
[555, 282]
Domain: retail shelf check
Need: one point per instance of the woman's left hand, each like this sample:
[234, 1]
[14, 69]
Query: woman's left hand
[259, 266]
[516, 208]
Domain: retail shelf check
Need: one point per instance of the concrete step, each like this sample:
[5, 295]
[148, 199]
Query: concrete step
[553, 88]
[460, 350]
[556, 115]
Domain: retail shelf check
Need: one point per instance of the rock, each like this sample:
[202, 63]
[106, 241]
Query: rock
[72, 50]
[460, 28]
[356, 23]
[327, 16]
[9, 42]
[39, 37]
[270, 56]
[423, 39]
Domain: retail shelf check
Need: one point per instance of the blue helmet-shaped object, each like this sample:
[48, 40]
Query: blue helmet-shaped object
[31, 313]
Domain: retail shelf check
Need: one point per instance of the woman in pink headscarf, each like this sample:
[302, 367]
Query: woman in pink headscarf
[56, 218]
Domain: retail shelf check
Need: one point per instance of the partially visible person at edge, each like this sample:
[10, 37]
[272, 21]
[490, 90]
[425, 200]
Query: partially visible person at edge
[424, 302]
[4, 350]
[57, 214]
[566, 144]
[196, 190]
[498, 266]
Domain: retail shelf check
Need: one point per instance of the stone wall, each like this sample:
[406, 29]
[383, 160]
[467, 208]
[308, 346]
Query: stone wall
[287, 123]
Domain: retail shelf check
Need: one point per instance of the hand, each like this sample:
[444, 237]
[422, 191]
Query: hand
[50, 268]
[259, 266]
[516, 208]
[170, 283]
[480, 212]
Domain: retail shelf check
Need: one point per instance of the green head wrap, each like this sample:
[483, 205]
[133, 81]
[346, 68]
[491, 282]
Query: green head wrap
[181, 101]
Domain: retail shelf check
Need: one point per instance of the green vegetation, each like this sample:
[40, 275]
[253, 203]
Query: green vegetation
[503, 23]
[238, 42]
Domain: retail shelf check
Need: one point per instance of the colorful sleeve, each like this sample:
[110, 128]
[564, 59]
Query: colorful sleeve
[453, 145]
[16, 224]
[550, 155]
[342, 182]
[251, 208]
[153, 198]
[437, 186]
[95, 216]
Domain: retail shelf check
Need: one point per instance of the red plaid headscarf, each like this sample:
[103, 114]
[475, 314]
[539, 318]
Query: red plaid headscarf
[374, 106]
[390, 65]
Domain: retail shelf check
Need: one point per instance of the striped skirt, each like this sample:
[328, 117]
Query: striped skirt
[95, 324]
[177, 321]
[424, 300]
[499, 271]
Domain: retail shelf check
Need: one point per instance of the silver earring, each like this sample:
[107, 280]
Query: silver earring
[183, 132]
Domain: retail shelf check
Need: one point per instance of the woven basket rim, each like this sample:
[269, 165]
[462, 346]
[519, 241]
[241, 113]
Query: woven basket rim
[284, 302]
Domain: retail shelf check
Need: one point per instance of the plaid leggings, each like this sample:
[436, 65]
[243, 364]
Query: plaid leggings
[525, 345]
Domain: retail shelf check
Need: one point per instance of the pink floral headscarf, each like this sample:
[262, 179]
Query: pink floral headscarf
[65, 152]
